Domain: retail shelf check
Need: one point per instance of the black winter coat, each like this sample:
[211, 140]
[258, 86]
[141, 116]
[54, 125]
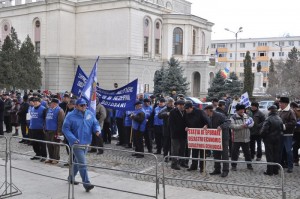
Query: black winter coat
[272, 127]
[177, 124]
[196, 119]
[1, 110]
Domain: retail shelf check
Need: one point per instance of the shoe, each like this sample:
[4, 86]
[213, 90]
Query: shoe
[54, 162]
[128, 147]
[175, 167]
[134, 154]
[100, 152]
[48, 161]
[268, 174]
[215, 173]
[34, 158]
[233, 169]
[166, 160]
[258, 159]
[250, 167]
[224, 174]
[92, 151]
[290, 170]
[89, 187]
[15, 134]
[139, 156]
[184, 165]
[66, 164]
[158, 152]
[75, 182]
[296, 164]
[43, 160]
[192, 168]
[22, 141]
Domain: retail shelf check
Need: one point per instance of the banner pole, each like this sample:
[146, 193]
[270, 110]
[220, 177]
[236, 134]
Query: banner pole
[130, 140]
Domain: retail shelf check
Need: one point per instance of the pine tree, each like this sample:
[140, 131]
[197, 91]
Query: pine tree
[217, 89]
[233, 85]
[31, 68]
[248, 75]
[174, 80]
[159, 78]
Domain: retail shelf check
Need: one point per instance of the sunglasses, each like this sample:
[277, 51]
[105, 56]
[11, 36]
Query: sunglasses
[82, 105]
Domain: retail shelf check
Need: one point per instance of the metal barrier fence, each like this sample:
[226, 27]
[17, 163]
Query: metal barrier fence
[10, 152]
[9, 188]
[120, 170]
[225, 161]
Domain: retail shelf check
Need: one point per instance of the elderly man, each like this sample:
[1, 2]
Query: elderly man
[271, 134]
[195, 118]
[289, 122]
[54, 119]
[240, 124]
[218, 121]
[78, 128]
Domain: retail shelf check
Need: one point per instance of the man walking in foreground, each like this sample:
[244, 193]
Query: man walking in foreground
[78, 128]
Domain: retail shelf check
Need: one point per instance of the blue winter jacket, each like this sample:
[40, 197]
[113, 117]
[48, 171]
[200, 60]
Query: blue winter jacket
[78, 127]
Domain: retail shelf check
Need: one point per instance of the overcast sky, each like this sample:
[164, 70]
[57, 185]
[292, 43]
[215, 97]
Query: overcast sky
[259, 18]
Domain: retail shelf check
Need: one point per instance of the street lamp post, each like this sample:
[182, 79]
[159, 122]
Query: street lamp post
[236, 34]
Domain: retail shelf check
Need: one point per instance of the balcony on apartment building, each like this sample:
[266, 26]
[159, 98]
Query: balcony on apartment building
[262, 58]
[222, 59]
[222, 50]
[262, 48]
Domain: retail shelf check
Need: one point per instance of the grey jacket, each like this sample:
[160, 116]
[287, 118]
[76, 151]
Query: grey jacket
[100, 114]
[239, 133]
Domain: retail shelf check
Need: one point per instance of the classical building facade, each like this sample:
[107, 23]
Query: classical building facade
[261, 51]
[133, 38]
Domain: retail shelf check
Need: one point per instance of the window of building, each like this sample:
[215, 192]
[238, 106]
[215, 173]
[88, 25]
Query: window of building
[253, 44]
[222, 54]
[298, 43]
[231, 64]
[177, 41]
[262, 53]
[241, 74]
[253, 64]
[273, 54]
[221, 45]
[213, 45]
[291, 43]
[264, 64]
[38, 48]
[281, 43]
[281, 54]
[157, 35]
[253, 55]
[146, 44]
[37, 37]
[157, 42]
[242, 54]
[261, 43]
[241, 64]
[230, 45]
[230, 55]
[147, 31]
[242, 45]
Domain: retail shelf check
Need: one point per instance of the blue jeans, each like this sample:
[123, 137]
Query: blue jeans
[287, 145]
[79, 157]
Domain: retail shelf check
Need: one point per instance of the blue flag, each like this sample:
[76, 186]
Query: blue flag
[89, 90]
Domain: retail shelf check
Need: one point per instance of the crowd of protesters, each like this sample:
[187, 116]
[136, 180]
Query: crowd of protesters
[162, 122]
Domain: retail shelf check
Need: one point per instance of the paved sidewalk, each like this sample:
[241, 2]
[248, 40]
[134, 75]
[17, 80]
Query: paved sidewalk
[40, 187]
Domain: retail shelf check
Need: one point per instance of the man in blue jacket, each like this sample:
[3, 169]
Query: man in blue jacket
[78, 128]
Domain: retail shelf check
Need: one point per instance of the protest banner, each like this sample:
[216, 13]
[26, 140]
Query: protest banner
[245, 100]
[208, 139]
[119, 99]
